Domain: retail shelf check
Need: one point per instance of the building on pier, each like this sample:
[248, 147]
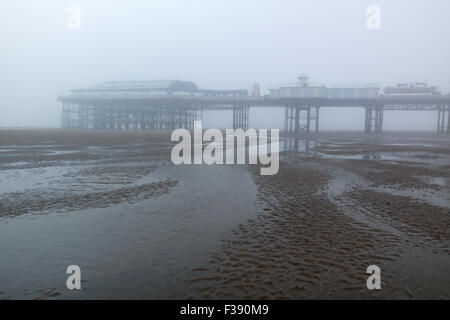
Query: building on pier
[413, 88]
[305, 89]
[154, 88]
[124, 88]
[172, 104]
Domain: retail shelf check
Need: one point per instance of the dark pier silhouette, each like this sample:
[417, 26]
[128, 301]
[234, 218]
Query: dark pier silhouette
[176, 104]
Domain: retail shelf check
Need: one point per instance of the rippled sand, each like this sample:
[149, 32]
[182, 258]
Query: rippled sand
[140, 227]
[112, 203]
[324, 219]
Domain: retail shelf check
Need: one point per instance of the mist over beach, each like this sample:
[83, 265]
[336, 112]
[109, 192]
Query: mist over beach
[338, 189]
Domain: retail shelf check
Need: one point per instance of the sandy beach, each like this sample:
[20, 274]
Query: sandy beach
[328, 215]
[140, 227]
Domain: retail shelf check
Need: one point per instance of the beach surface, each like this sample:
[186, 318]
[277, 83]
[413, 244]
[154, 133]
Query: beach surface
[138, 226]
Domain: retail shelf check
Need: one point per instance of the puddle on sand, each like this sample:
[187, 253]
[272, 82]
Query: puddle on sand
[139, 250]
[439, 181]
[439, 198]
[299, 145]
[22, 180]
[389, 157]
[61, 152]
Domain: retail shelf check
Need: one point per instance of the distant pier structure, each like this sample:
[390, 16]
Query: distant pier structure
[171, 104]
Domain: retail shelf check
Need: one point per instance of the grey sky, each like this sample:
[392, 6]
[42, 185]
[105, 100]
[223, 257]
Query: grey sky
[217, 44]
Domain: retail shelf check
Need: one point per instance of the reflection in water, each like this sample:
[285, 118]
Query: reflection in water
[371, 157]
[298, 145]
[438, 181]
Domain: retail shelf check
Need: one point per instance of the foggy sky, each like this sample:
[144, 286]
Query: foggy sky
[228, 44]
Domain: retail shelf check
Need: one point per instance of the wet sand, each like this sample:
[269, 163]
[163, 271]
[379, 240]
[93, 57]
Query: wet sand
[141, 227]
[134, 223]
[350, 202]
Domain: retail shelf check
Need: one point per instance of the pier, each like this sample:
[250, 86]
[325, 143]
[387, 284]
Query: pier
[171, 106]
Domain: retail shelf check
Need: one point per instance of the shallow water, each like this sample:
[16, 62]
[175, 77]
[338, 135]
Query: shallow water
[140, 227]
[132, 248]
[439, 181]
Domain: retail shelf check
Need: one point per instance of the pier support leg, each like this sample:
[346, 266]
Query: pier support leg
[65, 116]
[240, 117]
[291, 119]
[317, 120]
[374, 119]
[379, 119]
[368, 115]
[308, 118]
[443, 119]
[439, 120]
[286, 116]
[448, 119]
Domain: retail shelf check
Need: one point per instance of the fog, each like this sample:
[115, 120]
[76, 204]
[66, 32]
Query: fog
[219, 45]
